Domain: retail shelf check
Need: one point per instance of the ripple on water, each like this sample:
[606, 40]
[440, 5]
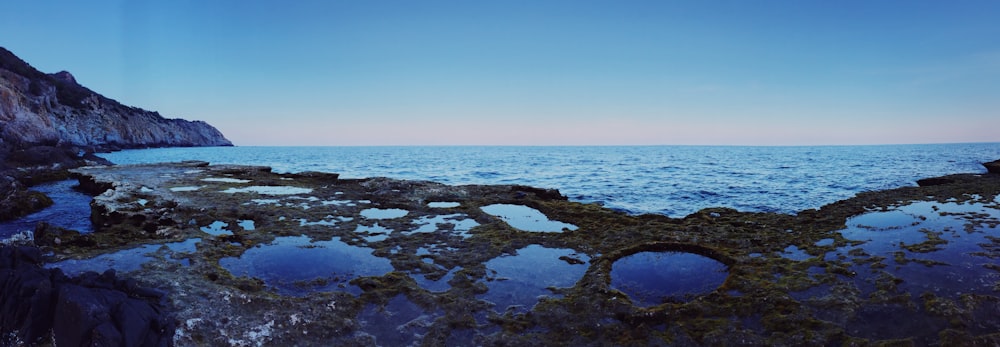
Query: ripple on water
[652, 278]
[526, 218]
[292, 265]
[517, 281]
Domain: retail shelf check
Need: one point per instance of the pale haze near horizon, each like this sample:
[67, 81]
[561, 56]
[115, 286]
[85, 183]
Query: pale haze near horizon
[535, 72]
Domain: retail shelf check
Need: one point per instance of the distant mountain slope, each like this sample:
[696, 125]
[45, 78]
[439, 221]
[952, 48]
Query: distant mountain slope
[38, 109]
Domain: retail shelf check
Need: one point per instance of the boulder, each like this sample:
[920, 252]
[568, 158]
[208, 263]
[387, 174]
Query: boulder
[993, 166]
[43, 306]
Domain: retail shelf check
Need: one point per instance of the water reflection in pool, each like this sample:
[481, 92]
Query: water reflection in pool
[652, 278]
[517, 281]
[526, 218]
[294, 265]
[936, 247]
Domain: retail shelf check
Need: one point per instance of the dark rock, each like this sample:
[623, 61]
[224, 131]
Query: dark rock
[139, 324]
[17, 201]
[326, 176]
[547, 194]
[937, 181]
[89, 310]
[79, 311]
[993, 166]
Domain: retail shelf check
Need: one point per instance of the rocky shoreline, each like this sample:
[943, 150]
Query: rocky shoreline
[50, 123]
[431, 262]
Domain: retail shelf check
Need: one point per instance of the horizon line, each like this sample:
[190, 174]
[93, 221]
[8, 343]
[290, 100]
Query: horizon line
[622, 145]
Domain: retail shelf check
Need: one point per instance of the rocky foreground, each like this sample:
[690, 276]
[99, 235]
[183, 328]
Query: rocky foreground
[250, 257]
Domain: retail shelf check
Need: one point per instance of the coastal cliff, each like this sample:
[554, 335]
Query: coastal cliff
[54, 110]
[50, 123]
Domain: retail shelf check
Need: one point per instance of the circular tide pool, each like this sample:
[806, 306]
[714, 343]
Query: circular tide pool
[651, 278]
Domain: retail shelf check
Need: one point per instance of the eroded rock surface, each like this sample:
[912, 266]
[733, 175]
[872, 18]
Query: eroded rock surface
[266, 252]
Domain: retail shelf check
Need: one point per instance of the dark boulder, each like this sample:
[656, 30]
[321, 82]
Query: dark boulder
[42, 306]
[547, 194]
[17, 201]
[993, 166]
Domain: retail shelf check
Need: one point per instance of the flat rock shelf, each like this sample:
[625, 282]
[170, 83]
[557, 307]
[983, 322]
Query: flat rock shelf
[252, 257]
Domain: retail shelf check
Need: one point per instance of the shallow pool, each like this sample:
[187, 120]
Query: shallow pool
[294, 265]
[652, 278]
[517, 281]
[526, 218]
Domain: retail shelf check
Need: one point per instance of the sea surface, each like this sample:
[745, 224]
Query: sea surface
[670, 180]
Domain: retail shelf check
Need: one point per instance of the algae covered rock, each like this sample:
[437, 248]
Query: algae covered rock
[248, 256]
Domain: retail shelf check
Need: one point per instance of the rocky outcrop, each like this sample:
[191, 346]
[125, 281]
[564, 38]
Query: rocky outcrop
[49, 123]
[993, 166]
[41, 305]
[54, 110]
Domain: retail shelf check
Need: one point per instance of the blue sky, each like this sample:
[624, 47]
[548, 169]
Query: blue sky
[535, 72]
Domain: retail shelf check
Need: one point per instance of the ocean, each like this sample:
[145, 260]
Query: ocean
[669, 180]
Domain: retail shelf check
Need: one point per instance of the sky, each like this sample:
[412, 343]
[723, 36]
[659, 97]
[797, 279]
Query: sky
[538, 72]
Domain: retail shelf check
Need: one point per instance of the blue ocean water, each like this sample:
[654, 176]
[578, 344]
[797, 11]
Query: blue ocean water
[669, 180]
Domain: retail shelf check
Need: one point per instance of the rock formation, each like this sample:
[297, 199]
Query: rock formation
[253, 257]
[43, 305]
[993, 166]
[53, 109]
[49, 123]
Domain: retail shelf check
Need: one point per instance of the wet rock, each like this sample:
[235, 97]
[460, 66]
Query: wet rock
[549, 194]
[17, 201]
[46, 234]
[927, 182]
[993, 166]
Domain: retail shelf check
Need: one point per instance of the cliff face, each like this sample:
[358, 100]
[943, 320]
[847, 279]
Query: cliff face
[54, 110]
[49, 123]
